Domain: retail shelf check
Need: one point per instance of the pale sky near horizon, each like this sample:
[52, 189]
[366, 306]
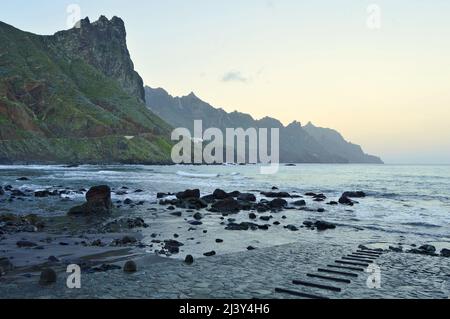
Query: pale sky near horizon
[386, 89]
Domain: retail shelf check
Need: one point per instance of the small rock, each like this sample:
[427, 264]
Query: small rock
[252, 216]
[299, 203]
[48, 277]
[291, 227]
[130, 267]
[177, 214]
[189, 260]
[251, 248]
[445, 252]
[209, 254]
[198, 216]
[396, 249]
[219, 241]
[25, 244]
[23, 179]
[53, 259]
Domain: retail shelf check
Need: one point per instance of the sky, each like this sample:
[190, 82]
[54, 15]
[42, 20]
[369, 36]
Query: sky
[376, 71]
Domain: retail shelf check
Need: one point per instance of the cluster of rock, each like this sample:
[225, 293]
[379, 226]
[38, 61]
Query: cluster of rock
[10, 223]
[428, 250]
[121, 224]
[228, 203]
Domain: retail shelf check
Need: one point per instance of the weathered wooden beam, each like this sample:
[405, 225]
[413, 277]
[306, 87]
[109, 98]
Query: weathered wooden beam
[345, 267]
[358, 259]
[342, 273]
[314, 285]
[351, 263]
[299, 293]
[345, 281]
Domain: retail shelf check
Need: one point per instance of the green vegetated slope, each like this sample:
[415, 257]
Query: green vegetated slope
[74, 97]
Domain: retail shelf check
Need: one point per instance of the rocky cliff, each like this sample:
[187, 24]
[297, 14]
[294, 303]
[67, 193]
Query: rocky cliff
[75, 97]
[297, 145]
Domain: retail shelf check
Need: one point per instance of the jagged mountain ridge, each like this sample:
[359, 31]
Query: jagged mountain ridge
[75, 97]
[297, 145]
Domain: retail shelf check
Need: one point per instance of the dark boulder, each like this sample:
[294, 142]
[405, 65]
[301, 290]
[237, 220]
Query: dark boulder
[241, 226]
[322, 225]
[247, 197]
[5, 264]
[25, 244]
[332, 203]
[291, 227]
[299, 203]
[209, 199]
[445, 252]
[310, 194]
[358, 194]
[172, 246]
[344, 200]
[220, 194]
[424, 250]
[23, 179]
[189, 193]
[396, 249]
[48, 277]
[428, 248]
[228, 205]
[161, 195]
[252, 216]
[308, 223]
[278, 203]
[234, 194]
[192, 203]
[17, 193]
[198, 216]
[130, 267]
[251, 248]
[98, 201]
[209, 254]
[176, 214]
[46, 193]
[189, 260]
[276, 194]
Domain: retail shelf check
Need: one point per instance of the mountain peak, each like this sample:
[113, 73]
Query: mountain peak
[192, 95]
[295, 124]
[103, 45]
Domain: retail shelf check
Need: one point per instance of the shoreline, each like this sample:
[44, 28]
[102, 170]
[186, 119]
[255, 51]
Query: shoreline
[212, 227]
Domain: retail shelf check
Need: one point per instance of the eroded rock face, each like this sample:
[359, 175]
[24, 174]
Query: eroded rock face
[98, 201]
[103, 45]
[189, 193]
